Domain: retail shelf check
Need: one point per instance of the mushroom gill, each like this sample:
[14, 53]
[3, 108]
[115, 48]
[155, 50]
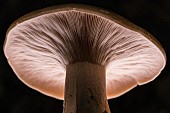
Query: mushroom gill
[57, 39]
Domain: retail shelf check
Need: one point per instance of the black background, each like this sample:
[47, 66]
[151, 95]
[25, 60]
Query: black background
[152, 15]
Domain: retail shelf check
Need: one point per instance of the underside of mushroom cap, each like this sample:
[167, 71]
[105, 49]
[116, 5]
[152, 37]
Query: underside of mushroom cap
[40, 45]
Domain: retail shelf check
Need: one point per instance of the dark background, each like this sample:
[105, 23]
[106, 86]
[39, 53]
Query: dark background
[152, 15]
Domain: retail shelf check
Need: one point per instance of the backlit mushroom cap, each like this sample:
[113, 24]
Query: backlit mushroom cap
[41, 44]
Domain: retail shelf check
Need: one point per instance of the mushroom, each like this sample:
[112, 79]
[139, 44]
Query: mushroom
[82, 54]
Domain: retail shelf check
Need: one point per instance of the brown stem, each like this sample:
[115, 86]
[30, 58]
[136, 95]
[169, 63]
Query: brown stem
[85, 89]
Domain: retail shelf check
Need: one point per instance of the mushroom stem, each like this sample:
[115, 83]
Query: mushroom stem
[85, 89]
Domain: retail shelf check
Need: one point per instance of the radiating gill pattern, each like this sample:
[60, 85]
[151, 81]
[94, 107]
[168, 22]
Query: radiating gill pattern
[53, 41]
[75, 36]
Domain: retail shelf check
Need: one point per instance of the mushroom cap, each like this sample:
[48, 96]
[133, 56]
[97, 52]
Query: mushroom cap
[41, 44]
